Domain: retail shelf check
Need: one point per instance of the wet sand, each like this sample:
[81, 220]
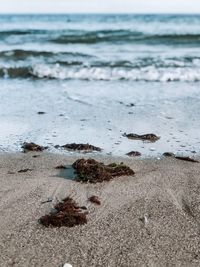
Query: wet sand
[150, 219]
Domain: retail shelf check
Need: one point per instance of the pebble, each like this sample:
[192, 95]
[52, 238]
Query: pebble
[67, 265]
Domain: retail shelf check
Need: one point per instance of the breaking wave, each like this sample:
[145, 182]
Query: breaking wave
[149, 74]
[109, 74]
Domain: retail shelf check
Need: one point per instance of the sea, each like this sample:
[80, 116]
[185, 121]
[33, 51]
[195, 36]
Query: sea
[95, 77]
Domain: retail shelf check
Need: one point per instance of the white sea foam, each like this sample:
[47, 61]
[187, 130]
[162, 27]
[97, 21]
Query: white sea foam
[189, 74]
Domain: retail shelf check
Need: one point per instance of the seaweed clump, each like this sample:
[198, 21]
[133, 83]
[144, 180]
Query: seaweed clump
[81, 147]
[67, 213]
[144, 137]
[169, 154]
[90, 170]
[95, 200]
[32, 147]
[134, 154]
[187, 159]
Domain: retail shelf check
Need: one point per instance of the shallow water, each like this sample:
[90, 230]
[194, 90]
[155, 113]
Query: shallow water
[68, 173]
[99, 113]
[86, 72]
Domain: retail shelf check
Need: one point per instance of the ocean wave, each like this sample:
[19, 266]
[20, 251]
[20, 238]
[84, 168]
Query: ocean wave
[123, 36]
[71, 36]
[108, 74]
[59, 72]
[20, 54]
[92, 37]
[21, 32]
[31, 57]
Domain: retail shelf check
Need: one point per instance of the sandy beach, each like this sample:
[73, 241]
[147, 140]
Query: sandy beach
[124, 87]
[149, 219]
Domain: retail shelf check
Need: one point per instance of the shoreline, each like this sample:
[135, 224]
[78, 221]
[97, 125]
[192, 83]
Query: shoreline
[79, 117]
[155, 213]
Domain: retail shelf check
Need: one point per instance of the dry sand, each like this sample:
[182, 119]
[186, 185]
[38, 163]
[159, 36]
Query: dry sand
[150, 219]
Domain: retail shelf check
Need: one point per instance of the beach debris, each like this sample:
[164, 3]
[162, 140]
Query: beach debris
[68, 214]
[130, 105]
[24, 170]
[36, 156]
[61, 167]
[50, 199]
[83, 207]
[144, 219]
[67, 265]
[169, 154]
[169, 117]
[95, 200]
[144, 137]
[134, 154]
[127, 105]
[118, 143]
[80, 147]
[32, 147]
[186, 159]
[41, 112]
[90, 170]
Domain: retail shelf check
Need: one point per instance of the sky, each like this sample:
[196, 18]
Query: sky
[99, 6]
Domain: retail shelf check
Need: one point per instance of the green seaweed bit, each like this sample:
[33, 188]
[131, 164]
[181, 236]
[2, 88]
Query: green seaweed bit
[114, 165]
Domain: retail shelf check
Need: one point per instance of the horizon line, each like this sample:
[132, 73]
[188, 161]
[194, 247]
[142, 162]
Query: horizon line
[100, 13]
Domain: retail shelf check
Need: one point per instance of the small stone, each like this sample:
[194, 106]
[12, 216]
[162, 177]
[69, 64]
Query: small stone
[67, 265]
[169, 118]
[168, 154]
[53, 211]
[83, 207]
